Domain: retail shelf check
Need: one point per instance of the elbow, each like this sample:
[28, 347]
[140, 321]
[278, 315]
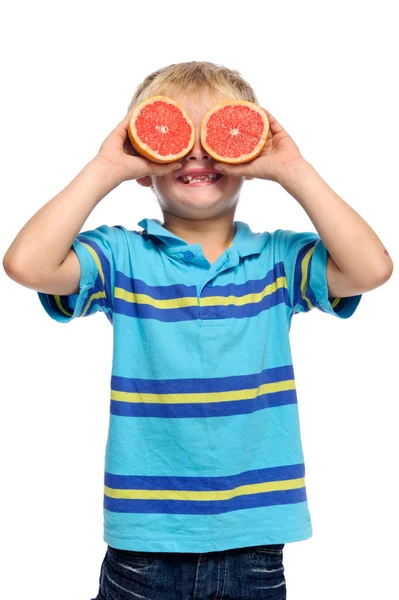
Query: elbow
[373, 279]
[382, 275]
[380, 272]
[387, 270]
[17, 271]
[13, 271]
[8, 265]
[11, 262]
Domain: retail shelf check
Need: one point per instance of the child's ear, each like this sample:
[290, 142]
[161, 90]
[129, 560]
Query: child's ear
[145, 181]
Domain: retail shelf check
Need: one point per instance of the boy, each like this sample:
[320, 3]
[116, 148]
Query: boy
[204, 469]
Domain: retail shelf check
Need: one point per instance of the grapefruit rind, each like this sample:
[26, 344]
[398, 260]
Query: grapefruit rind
[142, 148]
[243, 158]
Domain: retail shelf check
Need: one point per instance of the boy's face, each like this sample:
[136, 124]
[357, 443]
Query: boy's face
[204, 200]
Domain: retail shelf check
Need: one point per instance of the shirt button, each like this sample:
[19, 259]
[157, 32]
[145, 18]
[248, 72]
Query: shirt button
[188, 255]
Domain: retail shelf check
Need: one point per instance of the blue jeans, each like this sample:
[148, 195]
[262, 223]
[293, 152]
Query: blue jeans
[252, 573]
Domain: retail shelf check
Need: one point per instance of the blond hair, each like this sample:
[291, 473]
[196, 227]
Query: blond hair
[194, 78]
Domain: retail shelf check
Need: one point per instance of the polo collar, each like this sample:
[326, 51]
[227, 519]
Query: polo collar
[245, 241]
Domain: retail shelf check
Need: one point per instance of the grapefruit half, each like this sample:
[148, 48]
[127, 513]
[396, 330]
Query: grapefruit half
[161, 130]
[234, 131]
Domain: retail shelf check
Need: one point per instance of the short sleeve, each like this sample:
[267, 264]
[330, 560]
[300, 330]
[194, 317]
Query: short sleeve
[303, 257]
[96, 250]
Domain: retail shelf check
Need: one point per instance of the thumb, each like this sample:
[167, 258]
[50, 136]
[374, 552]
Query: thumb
[165, 169]
[240, 170]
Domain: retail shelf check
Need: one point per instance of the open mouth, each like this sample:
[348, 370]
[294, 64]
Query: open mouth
[208, 179]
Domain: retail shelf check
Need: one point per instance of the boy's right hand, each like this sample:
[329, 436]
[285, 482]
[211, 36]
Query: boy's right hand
[125, 162]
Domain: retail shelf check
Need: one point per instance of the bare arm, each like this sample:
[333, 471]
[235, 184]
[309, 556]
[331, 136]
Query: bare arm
[41, 257]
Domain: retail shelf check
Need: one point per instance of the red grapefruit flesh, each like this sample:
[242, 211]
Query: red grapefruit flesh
[161, 130]
[234, 131]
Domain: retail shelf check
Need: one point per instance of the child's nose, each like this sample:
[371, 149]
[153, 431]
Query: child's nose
[197, 152]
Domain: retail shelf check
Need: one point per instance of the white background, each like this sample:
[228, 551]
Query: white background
[327, 72]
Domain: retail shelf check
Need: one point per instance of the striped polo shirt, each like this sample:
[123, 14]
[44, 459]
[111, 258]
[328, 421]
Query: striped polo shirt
[204, 447]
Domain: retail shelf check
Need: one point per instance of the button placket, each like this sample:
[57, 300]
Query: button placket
[220, 311]
[187, 255]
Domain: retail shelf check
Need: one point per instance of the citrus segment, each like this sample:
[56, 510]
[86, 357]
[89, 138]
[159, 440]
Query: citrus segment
[234, 131]
[161, 130]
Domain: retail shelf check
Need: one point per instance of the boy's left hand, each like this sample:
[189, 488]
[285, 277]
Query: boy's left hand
[277, 154]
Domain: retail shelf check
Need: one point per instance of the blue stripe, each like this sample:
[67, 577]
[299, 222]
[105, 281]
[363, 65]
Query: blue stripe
[206, 507]
[341, 304]
[196, 385]
[168, 292]
[105, 267]
[158, 292]
[145, 311]
[226, 482]
[297, 294]
[202, 409]
[190, 313]
[63, 301]
[98, 302]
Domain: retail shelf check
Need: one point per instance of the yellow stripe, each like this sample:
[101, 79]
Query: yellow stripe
[60, 307]
[145, 299]
[92, 297]
[252, 298]
[204, 397]
[243, 490]
[122, 294]
[304, 281]
[97, 261]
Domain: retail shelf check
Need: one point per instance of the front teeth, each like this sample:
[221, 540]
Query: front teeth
[190, 179]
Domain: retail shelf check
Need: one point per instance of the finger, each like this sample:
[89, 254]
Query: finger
[270, 117]
[164, 169]
[148, 169]
[128, 115]
[274, 124]
[123, 125]
[129, 148]
[241, 170]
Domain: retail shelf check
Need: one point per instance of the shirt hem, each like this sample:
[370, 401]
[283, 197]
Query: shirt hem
[215, 544]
